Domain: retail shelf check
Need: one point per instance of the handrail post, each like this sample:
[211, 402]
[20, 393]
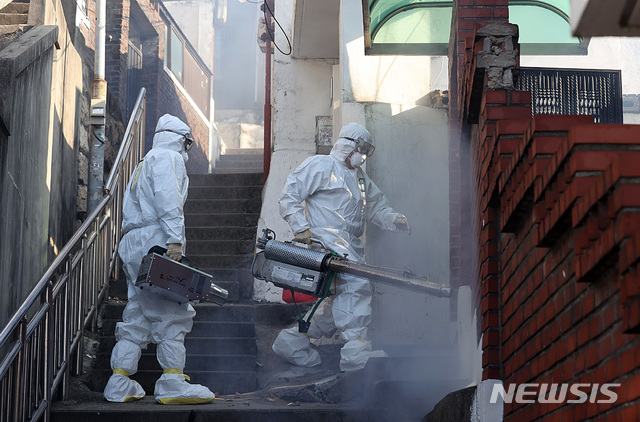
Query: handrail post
[66, 329]
[49, 351]
[19, 391]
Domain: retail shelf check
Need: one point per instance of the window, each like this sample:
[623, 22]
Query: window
[175, 58]
[422, 27]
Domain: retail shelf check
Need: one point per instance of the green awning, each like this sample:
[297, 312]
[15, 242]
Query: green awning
[423, 27]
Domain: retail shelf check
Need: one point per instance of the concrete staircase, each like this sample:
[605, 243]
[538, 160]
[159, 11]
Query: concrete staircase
[240, 160]
[229, 348]
[15, 13]
[14, 17]
[221, 215]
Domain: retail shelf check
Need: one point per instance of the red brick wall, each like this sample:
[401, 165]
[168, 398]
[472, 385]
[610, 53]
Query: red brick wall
[555, 218]
[558, 211]
[467, 14]
[559, 257]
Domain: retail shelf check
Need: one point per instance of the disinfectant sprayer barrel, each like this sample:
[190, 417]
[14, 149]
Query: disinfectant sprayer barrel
[403, 280]
[328, 262]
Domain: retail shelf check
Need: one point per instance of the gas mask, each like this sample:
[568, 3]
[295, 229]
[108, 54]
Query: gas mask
[185, 156]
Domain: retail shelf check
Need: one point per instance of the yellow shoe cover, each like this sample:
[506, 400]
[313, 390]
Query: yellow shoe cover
[121, 389]
[172, 388]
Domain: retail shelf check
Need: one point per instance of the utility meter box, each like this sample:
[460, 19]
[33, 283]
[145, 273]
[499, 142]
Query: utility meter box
[98, 111]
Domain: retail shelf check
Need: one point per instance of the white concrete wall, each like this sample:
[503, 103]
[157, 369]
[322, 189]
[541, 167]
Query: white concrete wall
[411, 166]
[300, 92]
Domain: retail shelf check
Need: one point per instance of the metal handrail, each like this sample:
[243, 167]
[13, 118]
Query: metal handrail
[42, 343]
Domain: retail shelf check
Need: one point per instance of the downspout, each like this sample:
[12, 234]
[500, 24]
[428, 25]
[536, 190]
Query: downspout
[267, 95]
[98, 112]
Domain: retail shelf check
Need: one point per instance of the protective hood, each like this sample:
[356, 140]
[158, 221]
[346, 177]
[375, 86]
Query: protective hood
[164, 139]
[344, 146]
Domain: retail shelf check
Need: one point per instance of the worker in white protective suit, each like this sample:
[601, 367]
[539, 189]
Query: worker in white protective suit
[153, 215]
[339, 198]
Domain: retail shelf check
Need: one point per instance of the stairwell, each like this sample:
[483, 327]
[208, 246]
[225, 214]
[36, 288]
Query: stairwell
[229, 350]
[221, 215]
[14, 17]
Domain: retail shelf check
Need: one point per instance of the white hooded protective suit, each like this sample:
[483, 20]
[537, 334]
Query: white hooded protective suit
[339, 201]
[153, 215]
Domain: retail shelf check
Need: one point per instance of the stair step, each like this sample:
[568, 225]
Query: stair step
[247, 151]
[204, 312]
[221, 233]
[219, 219]
[239, 179]
[202, 345]
[238, 313]
[225, 192]
[16, 7]
[215, 247]
[237, 171]
[264, 313]
[12, 32]
[199, 206]
[250, 165]
[202, 328]
[258, 158]
[222, 261]
[13, 18]
[195, 363]
[223, 382]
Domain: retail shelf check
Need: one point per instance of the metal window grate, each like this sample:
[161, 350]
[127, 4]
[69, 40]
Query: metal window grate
[574, 91]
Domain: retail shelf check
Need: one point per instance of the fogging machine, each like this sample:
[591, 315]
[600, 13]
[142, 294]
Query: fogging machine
[311, 271]
[177, 281]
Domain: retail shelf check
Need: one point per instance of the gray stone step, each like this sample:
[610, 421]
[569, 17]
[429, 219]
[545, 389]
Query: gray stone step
[234, 170]
[221, 219]
[258, 158]
[202, 345]
[223, 382]
[195, 363]
[221, 261]
[221, 233]
[200, 206]
[228, 247]
[245, 409]
[204, 312]
[202, 328]
[13, 18]
[225, 192]
[245, 151]
[239, 165]
[240, 179]
[16, 7]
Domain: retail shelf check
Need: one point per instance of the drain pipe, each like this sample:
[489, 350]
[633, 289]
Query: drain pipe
[98, 112]
[267, 95]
